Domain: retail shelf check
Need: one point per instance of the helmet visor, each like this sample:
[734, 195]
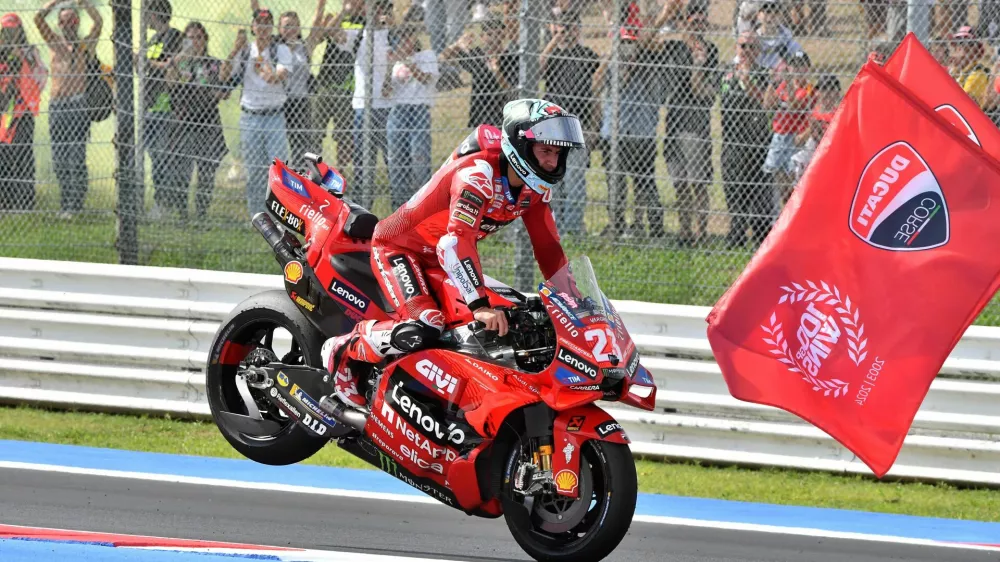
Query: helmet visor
[559, 131]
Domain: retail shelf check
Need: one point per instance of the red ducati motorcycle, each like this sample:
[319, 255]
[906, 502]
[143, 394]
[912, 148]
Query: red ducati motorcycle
[492, 426]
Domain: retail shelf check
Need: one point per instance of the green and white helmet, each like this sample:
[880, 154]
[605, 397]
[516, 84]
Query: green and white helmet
[528, 121]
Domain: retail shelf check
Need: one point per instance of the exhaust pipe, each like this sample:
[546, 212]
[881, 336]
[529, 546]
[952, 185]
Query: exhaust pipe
[282, 242]
[344, 414]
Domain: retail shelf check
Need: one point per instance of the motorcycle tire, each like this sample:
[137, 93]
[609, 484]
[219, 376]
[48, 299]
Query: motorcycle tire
[614, 488]
[293, 443]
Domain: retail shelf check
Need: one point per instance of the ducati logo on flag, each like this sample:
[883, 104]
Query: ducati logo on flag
[953, 116]
[898, 204]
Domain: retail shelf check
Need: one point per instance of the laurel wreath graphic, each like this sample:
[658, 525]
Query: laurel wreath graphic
[849, 317]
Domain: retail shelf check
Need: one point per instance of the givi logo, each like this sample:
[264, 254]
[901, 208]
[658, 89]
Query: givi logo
[898, 204]
[952, 116]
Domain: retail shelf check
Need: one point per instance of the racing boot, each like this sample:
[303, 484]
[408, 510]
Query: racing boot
[339, 352]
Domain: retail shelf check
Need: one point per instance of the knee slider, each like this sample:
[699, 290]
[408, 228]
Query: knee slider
[413, 335]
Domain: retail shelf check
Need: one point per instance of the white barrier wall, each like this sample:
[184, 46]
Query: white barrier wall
[133, 338]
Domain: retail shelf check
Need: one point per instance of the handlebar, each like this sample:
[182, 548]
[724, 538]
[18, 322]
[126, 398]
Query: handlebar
[477, 326]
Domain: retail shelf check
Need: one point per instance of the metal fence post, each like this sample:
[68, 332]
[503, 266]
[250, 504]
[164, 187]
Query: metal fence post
[125, 145]
[918, 18]
[527, 86]
[616, 187]
[139, 114]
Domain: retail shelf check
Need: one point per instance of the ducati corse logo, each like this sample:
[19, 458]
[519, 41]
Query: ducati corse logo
[898, 204]
[955, 118]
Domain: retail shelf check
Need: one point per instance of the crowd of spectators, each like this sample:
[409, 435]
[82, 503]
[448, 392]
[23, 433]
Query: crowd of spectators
[675, 85]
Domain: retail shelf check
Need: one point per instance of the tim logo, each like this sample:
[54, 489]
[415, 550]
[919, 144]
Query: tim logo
[293, 184]
[952, 116]
[898, 204]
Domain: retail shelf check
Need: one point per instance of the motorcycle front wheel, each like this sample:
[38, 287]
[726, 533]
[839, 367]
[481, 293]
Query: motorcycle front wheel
[554, 528]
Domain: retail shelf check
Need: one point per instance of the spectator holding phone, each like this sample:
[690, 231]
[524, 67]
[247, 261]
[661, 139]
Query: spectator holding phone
[410, 86]
[373, 39]
[262, 67]
[827, 100]
[298, 105]
[199, 143]
[792, 100]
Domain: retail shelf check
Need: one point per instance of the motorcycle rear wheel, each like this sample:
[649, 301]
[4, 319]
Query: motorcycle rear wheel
[607, 471]
[253, 323]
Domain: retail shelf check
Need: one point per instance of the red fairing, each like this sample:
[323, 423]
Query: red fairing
[572, 428]
[415, 417]
[303, 206]
[464, 202]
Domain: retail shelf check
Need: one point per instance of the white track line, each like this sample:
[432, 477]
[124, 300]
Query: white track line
[655, 519]
[804, 531]
[216, 482]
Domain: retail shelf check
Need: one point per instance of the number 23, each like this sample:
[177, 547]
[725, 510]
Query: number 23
[602, 349]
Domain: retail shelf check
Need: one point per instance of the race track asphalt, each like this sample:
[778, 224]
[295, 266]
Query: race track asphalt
[121, 505]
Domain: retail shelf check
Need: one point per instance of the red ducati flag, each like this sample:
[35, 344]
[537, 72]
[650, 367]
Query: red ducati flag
[917, 70]
[883, 256]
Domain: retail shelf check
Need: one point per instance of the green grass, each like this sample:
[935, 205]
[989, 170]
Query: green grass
[650, 273]
[202, 438]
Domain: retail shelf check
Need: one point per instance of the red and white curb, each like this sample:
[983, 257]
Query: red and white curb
[144, 542]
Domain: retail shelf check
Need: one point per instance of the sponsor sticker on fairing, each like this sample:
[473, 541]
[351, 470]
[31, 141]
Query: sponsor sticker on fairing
[286, 217]
[418, 414]
[609, 427]
[293, 184]
[566, 376]
[353, 298]
[293, 272]
[442, 382]
[576, 362]
[333, 182]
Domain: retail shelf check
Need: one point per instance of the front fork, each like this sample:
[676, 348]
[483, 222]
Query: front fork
[562, 434]
[535, 477]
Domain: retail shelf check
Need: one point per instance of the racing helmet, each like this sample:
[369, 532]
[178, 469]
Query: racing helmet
[527, 121]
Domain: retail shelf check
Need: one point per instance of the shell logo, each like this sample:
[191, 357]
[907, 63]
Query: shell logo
[293, 271]
[566, 481]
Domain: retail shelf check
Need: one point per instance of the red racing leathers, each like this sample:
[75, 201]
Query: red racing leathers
[465, 201]
[440, 226]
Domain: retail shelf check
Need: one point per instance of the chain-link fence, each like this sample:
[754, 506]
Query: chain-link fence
[699, 116]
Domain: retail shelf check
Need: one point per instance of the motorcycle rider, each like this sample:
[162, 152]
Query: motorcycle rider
[492, 178]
